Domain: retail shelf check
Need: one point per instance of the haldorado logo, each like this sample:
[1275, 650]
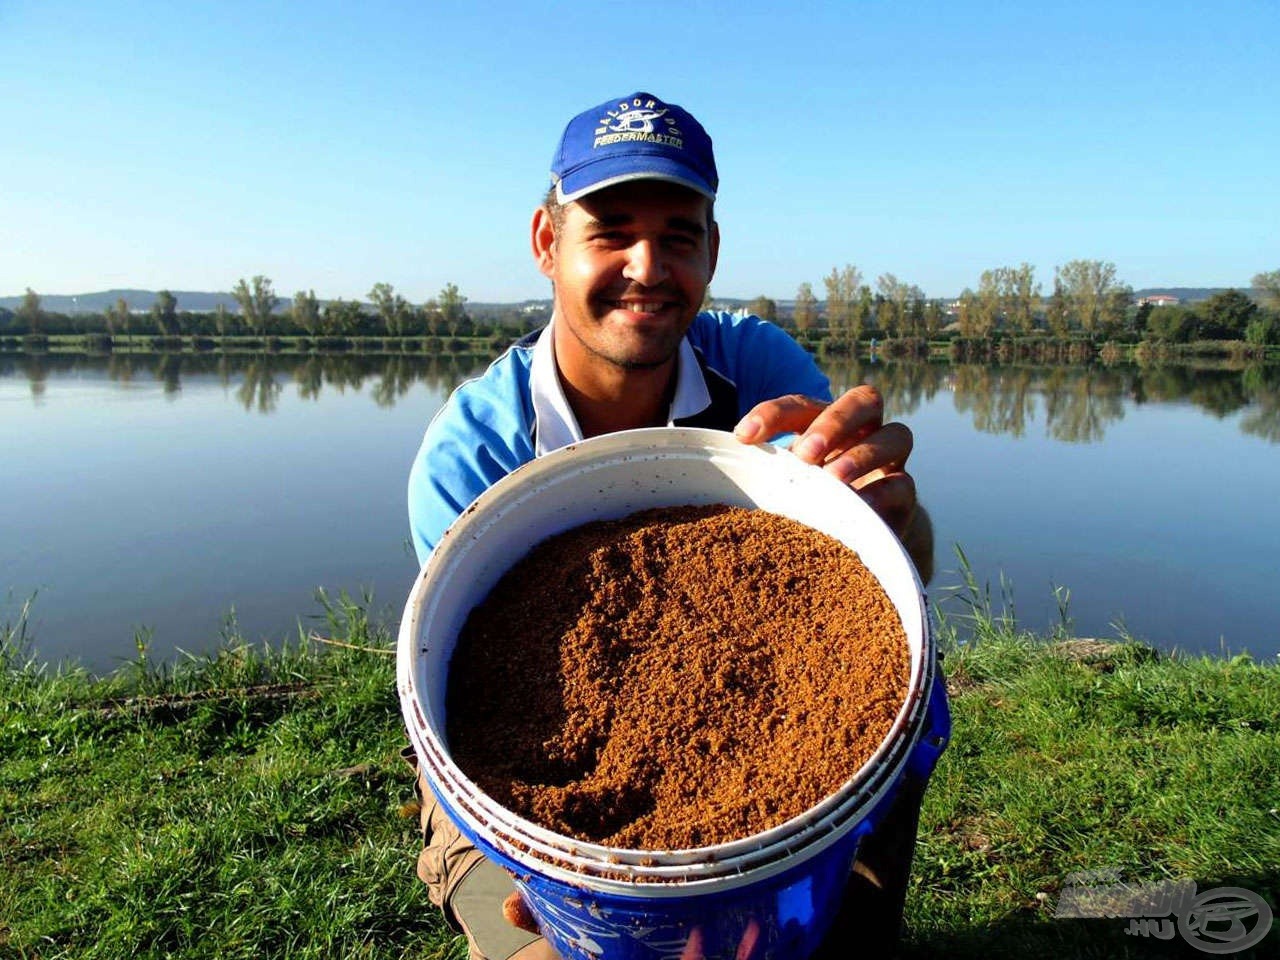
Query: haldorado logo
[635, 120]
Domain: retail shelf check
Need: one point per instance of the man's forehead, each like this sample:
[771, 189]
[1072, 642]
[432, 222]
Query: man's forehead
[635, 197]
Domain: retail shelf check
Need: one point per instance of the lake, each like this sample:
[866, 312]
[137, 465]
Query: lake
[154, 498]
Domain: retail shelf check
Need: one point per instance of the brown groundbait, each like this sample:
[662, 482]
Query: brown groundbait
[679, 678]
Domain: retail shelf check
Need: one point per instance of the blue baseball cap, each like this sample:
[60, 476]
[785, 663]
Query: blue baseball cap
[639, 137]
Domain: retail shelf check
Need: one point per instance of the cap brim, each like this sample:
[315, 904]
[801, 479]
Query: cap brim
[608, 172]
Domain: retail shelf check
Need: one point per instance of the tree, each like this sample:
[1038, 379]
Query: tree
[431, 318]
[1116, 308]
[392, 308]
[117, 317]
[165, 313]
[897, 295]
[967, 314]
[453, 308]
[1021, 296]
[1092, 294]
[764, 308]
[915, 312]
[806, 308]
[842, 287]
[1171, 325]
[862, 309]
[340, 317]
[1143, 316]
[933, 319]
[29, 311]
[1269, 284]
[989, 302]
[221, 319]
[256, 303]
[1264, 329]
[1226, 315]
[1057, 311]
[306, 311]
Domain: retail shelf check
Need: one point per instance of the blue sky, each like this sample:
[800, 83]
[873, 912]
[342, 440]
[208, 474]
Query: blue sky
[332, 146]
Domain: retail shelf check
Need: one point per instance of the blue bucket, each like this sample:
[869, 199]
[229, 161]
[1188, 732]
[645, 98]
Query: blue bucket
[782, 886]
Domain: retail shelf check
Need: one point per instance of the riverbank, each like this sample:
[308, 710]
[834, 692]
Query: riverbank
[253, 803]
[992, 350]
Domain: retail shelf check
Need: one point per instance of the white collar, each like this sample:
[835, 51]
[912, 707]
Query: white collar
[555, 423]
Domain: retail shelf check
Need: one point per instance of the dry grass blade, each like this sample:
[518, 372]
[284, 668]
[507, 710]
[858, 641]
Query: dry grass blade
[382, 651]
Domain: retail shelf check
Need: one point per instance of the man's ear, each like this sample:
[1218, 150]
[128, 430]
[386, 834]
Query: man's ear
[543, 239]
[713, 244]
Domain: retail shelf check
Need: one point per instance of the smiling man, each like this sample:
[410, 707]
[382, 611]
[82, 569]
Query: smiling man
[628, 238]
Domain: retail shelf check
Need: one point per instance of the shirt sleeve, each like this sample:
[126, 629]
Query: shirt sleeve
[471, 444]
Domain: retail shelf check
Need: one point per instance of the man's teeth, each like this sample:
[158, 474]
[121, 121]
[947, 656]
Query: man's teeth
[643, 307]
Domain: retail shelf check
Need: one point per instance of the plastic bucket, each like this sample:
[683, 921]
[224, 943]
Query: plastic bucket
[594, 901]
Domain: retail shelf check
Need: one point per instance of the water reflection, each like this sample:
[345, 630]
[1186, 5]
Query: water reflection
[1076, 403]
[258, 379]
[1264, 386]
[259, 388]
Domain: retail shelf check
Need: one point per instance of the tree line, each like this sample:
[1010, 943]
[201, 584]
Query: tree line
[261, 312]
[1087, 299]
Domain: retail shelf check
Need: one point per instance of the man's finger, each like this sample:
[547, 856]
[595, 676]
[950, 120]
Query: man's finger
[852, 417]
[751, 942]
[789, 414]
[885, 450]
[693, 946]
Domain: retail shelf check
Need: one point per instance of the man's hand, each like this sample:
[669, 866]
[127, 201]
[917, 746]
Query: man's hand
[517, 913]
[850, 439]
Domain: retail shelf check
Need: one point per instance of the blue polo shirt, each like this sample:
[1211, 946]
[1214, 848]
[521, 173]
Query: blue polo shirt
[516, 410]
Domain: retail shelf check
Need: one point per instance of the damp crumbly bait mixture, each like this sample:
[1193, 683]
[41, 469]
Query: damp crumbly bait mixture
[682, 677]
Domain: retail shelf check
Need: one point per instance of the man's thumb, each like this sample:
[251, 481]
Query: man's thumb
[517, 913]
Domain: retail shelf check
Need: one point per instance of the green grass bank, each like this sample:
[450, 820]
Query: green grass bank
[253, 804]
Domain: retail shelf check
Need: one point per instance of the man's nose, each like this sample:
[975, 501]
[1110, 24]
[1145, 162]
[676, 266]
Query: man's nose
[645, 264]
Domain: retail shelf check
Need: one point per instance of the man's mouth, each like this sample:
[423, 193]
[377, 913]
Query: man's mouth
[642, 306]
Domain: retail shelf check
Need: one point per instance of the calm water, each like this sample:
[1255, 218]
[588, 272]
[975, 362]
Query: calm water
[158, 496]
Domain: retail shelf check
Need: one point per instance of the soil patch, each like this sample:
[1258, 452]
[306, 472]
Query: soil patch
[679, 678]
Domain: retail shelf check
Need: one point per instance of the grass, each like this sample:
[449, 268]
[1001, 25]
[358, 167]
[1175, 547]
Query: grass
[253, 803]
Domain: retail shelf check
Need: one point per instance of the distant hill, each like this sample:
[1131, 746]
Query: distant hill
[139, 301]
[195, 301]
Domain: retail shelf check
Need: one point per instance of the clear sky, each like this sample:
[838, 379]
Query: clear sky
[333, 145]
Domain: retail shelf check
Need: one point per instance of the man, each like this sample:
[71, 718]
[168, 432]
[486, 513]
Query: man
[628, 238]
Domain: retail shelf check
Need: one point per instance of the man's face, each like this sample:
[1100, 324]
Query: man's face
[630, 265]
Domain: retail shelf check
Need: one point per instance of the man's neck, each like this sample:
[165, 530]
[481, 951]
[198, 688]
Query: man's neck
[626, 401]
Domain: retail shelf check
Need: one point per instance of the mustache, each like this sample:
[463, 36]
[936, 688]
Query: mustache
[660, 292]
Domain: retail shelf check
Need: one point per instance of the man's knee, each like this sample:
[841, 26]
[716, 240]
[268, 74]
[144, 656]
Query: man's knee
[468, 888]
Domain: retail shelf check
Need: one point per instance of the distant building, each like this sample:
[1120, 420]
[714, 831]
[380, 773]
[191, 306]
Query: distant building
[1158, 300]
